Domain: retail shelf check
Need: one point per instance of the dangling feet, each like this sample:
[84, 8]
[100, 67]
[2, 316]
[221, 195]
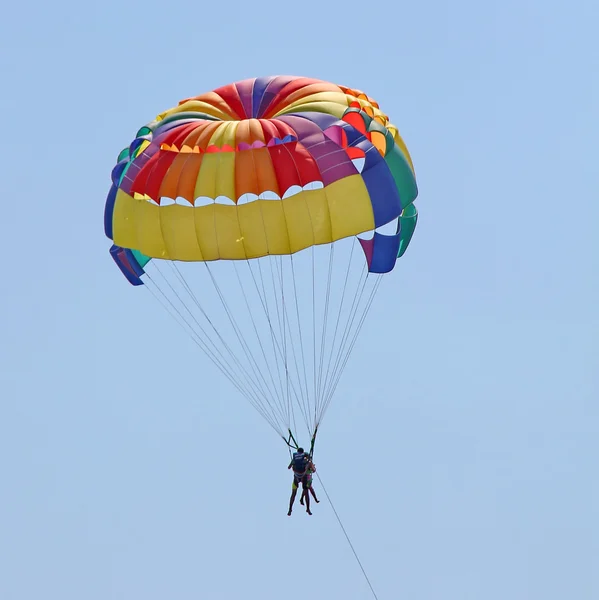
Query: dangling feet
[308, 511]
[289, 513]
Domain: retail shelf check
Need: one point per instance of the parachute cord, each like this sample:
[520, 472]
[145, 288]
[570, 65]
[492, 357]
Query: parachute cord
[314, 333]
[353, 342]
[313, 441]
[247, 392]
[325, 324]
[291, 439]
[347, 537]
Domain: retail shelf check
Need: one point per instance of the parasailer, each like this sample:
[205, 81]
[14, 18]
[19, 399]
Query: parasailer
[262, 216]
[310, 486]
[300, 463]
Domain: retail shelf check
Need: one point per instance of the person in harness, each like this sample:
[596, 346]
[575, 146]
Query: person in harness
[310, 490]
[300, 462]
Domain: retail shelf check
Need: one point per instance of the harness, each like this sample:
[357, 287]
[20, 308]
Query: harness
[299, 464]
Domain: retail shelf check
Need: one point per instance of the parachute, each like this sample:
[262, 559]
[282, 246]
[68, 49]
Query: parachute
[262, 216]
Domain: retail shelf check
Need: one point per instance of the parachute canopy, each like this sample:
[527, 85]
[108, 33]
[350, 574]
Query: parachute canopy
[266, 184]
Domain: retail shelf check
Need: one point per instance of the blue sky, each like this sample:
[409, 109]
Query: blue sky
[470, 404]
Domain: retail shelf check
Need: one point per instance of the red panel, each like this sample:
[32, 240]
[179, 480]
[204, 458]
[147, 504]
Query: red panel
[139, 183]
[154, 181]
[305, 164]
[356, 121]
[230, 95]
[285, 167]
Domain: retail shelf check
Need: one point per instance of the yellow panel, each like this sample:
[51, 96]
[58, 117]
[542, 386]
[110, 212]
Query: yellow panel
[205, 224]
[149, 230]
[216, 176]
[179, 232]
[230, 244]
[142, 147]
[350, 207]
[275, 226]
[196, 106]
[136, 224]
[299, 224]
[331, 108]
[255, 229]
[124, 220]
[225, 134]
[319, 215]
[402, 145]
[308, 219]
[337, 99]
[225, 180]
[252, 229]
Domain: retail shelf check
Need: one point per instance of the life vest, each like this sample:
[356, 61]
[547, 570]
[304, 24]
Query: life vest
[299, 462]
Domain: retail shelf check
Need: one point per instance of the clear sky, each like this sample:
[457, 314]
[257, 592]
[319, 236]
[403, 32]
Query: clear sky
[132, 469]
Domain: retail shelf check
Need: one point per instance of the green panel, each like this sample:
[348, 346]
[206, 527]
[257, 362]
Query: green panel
[403, 176]
[407, 221]
[124, 154]
[142, 259]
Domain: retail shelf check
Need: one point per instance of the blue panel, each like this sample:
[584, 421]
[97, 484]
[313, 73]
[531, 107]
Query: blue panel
[384, 254]
[121, 258]
[108, 210]
[133, 263]
[117, 172]
[137, 142]
[384, 196]
[354, 137]
[260, 85]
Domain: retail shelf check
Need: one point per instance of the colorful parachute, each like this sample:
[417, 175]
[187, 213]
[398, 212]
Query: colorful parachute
[240, 209]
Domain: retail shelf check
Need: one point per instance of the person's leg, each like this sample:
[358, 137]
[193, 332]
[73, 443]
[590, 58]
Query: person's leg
[306, 494]
[314, 494]
[292, 499]
[304, 490]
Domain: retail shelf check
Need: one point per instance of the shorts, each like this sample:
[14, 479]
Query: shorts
[303, 478]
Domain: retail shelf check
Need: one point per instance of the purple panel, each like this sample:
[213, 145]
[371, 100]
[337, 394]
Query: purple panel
[334, 134]
[244, 89]
[302, 127]
[368, 247]
[332, 159]
[322, 120]
[338, 172]
[333, 162]
[273, 88]
[320, 147]
[137, 166]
